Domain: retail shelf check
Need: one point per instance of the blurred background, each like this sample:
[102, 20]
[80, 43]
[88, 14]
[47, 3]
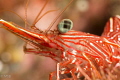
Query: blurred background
[87, 15]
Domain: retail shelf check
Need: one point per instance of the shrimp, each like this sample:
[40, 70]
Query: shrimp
[78, 55]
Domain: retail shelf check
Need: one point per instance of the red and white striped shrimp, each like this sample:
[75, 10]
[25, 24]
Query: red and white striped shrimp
[77, 54]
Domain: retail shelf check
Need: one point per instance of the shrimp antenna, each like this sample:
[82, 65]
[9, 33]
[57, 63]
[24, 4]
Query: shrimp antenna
[16, 14]
[44, 15]
[58, 16]
[35, 21]
[26, 6]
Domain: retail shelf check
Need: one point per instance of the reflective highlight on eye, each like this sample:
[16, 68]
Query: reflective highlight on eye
[65, 25]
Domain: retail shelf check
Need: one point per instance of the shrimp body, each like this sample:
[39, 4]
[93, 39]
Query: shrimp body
[74, 50]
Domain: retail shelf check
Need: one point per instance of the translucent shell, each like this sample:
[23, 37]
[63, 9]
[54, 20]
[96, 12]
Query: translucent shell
[65, 25]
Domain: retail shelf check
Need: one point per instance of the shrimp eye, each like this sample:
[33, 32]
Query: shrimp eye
[65, 25]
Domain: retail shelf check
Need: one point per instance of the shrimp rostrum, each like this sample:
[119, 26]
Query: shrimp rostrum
[78, 55]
